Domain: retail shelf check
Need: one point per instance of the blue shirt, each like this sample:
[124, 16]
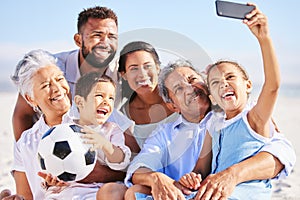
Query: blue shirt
[233, 141]
[173, 149]
[278, 145]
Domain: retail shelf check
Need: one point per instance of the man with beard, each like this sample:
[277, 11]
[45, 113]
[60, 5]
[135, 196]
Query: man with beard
[97, 39]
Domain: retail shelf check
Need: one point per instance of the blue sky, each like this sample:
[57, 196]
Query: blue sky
[50, 25]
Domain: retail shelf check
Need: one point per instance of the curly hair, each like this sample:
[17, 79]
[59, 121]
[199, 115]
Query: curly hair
[96, 12]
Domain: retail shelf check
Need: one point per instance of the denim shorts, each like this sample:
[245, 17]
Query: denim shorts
[140, 196]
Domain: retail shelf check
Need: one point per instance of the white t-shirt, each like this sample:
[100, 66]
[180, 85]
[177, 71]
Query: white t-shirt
[26, 155]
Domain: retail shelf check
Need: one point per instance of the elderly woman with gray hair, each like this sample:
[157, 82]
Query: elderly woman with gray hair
[44, 87]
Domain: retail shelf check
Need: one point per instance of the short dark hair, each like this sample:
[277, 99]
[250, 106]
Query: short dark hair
[96, 12]
[86, 82]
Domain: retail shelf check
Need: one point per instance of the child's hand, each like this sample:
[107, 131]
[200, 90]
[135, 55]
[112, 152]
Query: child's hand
[92, 137]
[191, 180]
[257, 23]
[52, 180]
[97, 139]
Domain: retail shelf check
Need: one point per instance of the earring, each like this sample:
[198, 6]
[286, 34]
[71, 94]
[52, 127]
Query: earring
[35, 108]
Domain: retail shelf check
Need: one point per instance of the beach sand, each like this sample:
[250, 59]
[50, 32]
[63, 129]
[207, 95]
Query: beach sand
[286, 115]
[6, 140]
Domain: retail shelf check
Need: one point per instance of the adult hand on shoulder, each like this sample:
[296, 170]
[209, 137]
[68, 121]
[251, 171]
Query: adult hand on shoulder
[217, 186]
[164, 188]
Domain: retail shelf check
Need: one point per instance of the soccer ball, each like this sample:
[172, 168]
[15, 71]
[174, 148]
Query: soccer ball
[62, 153]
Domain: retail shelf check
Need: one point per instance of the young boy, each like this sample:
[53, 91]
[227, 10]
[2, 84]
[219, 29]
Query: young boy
[94, 98]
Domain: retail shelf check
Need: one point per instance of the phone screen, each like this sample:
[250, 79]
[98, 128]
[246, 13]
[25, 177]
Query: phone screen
[233, 10]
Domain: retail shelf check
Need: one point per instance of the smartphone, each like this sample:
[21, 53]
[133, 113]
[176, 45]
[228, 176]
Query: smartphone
[233, 10]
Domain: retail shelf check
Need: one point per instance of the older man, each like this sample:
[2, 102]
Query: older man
[173, 148]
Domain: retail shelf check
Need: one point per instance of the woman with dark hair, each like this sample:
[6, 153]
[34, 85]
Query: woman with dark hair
[139, 65]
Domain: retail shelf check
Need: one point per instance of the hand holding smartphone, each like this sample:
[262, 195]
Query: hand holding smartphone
[233, 10]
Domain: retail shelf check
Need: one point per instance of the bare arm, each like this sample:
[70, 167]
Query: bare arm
[22, 185]
[263, 166]
[100, 173]
[258, 167]
[130, 141]
[260, 115]
[22, 117]
[103, 174]
[203, 164]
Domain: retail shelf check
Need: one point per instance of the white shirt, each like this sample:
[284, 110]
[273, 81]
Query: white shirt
[26, 156]
[116, 137]
[142, 131]
[87, 191]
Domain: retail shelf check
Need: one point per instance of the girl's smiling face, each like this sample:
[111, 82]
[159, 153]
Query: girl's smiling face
[229, 87]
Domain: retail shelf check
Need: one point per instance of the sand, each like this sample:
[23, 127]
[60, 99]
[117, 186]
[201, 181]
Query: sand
[286, 115]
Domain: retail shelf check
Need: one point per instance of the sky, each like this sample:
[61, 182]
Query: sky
[183, 28]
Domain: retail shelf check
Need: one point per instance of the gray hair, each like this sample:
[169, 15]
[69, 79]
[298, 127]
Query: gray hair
[166, 71]
[27, 67]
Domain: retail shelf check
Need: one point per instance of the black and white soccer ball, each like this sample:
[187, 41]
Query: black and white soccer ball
[62, 153]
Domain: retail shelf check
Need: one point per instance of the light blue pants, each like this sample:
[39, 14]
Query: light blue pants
[251, 191]
[140, 196]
